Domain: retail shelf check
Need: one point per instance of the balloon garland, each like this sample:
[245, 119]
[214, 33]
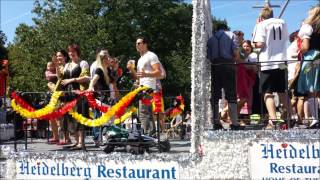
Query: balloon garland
[93, 104]
[26, 113]
[128, 114]
[119, 107]
[60, 112]
[20, 101]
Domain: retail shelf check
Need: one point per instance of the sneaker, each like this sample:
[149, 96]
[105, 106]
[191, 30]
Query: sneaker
[314, 125]
[314, 122]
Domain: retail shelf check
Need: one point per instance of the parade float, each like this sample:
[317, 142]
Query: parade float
[252, 154]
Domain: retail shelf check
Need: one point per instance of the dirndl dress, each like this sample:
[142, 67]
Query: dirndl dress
[308, 81]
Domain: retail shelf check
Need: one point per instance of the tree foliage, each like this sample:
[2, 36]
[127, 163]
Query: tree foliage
[216, 22]
[3, 49]
[105, 23]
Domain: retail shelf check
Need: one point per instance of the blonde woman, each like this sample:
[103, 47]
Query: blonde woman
[100, 79]
[308, 82]
[100, 84]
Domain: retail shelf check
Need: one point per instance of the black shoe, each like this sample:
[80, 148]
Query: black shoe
[314, 126]
[217, 127]
[236, 127]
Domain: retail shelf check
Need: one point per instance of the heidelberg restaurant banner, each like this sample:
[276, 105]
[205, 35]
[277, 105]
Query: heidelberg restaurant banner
[285, 160]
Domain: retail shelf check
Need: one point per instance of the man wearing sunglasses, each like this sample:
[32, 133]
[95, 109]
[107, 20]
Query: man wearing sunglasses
[148, 70]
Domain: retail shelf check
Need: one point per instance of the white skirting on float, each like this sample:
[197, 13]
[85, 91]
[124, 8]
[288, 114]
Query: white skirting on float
[223, 154]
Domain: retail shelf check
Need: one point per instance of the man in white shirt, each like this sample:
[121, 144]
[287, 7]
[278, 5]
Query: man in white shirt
[271, 36]
[148, 70]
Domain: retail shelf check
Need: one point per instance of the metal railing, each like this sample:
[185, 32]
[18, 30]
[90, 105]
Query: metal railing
[283, 65]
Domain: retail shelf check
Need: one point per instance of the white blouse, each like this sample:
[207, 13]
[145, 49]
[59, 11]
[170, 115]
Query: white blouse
[305, 31]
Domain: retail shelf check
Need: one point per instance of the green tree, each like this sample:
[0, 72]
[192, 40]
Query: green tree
[216, 22]
[102, 23]
[3, 49]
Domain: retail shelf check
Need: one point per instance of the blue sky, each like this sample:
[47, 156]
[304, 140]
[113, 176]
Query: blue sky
[13, 13]
[239, 13]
